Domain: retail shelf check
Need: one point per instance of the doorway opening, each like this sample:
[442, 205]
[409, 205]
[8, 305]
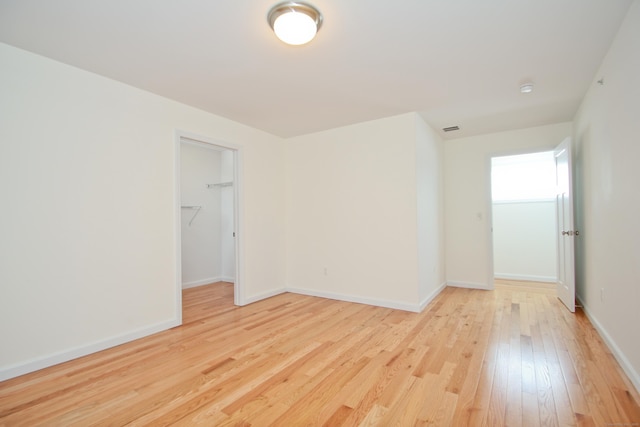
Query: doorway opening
[523, 204]
[207, 197]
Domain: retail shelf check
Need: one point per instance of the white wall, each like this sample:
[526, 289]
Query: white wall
[524, 240]
[607, 132]
[201, 229]
[352, 212]
[430, 205]
[467, 167]
[87, 173]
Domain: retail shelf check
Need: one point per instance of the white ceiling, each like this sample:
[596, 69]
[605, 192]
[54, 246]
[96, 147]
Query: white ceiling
[456, 62]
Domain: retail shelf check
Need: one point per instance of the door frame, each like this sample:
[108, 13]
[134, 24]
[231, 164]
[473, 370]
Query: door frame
[489, 228]
[181, 137]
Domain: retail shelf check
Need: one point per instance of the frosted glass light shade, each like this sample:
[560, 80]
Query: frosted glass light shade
[295, 23]
[295, 28]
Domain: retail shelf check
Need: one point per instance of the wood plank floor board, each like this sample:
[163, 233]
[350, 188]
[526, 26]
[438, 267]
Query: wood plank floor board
[513, 356]
[368, 395]
[405, 410]
[437, 385]
[473, 397]
[307, 409]
[244, 398]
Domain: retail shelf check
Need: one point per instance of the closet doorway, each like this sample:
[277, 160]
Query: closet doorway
[207, 191]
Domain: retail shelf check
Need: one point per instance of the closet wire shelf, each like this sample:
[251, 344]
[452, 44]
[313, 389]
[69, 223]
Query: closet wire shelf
[197, 211]
[197, 208]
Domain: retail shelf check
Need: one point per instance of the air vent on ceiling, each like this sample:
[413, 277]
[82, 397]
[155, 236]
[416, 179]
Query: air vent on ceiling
[451, 128]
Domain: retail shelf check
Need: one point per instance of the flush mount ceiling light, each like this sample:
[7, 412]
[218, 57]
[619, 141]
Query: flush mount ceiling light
[526, 88]
[295, 23]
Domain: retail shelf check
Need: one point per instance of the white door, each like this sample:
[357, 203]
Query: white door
[566, 284]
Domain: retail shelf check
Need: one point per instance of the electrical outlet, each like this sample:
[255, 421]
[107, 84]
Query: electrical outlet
[602, 294]
[325, 271]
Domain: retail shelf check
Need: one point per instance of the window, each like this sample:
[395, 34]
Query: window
[528, 177]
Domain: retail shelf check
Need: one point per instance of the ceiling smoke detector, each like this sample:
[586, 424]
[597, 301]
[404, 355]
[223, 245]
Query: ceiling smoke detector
[526, 88]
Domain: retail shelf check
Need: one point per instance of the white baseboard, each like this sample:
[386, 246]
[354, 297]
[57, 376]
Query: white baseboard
[425, 302]
[202, 282]
[227, 279]
[525, 277]
[262, 296]
[627, 367]
[469, 285]
[351, 298]
[360, 300]
[16, 370]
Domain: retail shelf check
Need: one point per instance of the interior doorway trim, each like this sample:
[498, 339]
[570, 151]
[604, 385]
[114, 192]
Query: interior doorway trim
[188, 137]
[489, 197]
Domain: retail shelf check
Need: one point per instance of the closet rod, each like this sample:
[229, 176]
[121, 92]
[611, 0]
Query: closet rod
[221, 184]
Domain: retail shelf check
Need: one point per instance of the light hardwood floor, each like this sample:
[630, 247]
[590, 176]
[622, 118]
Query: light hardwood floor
[507, 357]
